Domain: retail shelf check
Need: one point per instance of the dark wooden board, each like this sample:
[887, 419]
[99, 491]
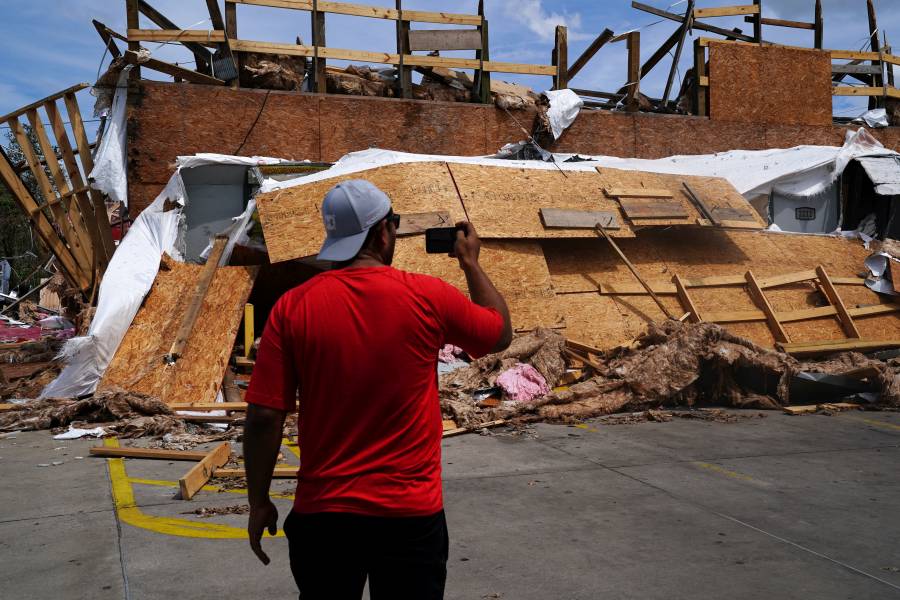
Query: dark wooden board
[653, 208]
[416, 223]
[556, 218]
[445, 39]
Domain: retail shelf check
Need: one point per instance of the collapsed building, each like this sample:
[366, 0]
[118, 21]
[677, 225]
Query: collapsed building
[712, 248]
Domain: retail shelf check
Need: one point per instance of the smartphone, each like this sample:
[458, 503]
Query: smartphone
[440, 240]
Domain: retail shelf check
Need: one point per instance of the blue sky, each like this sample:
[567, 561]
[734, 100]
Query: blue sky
[47, 45]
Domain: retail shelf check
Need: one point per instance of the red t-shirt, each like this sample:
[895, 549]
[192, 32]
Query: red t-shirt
[361, 347]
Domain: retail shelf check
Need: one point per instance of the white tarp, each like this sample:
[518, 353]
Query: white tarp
[564, 108]
[131, 273]
[110, 173]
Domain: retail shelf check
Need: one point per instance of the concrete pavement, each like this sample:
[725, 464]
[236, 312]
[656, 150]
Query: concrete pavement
[774, 507]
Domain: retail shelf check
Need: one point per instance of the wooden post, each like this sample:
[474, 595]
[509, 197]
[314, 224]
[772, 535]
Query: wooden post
[877, 80]
[632, 102]
[231, 33]
[132, 17]
[404, 73]
[561, 58]
[757, 22]
[688, 19]
[484, 77]
[819, 22]
[889, 66]
[699, 72]
[318, 40]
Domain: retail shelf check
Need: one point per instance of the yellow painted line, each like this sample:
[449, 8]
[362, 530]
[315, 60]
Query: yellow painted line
[128, 511]
[586, 427]
[205, 488]
[292, 446]
[724, 471]
[876, 423]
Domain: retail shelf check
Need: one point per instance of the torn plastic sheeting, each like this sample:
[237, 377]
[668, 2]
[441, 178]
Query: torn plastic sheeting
[879, 266]
[564, 108]
[75, 433]
[109, 174]
[877, 117]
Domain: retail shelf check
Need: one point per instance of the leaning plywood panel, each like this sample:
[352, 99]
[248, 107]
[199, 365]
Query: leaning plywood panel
[517, 268]
[196, 377]
[769, 84]
[292, 220]
[506, 202]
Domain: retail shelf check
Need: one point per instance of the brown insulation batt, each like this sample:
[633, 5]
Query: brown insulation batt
[292, 221]
[672, 364]
[196, 377]
[578, 266]
[517, 268]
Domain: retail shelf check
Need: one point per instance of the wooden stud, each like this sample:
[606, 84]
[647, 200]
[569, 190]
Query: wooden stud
[183, 36]
[685, 28]
[150, 453]
[482, 77]
[781, 23]
[87, 165]
[727, 11]
[404, 78]
[686, 301]
[561, 58]
[759, 298]
[189, 318]
[317, 21]
[700, 91]
[835, 299]
[133, 21]
[249, 331]
[632, 102]
[231, 34]
[441, 39]
[819, 23]
[697, 24]
[194, 480]
[757, 22]
[589, 53]
[802, 350]
[877, 80]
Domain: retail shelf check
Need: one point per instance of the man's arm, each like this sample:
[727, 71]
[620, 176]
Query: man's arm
[481, 289]
[263, 430]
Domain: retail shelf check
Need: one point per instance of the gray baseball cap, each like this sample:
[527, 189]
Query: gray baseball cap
[349, 210]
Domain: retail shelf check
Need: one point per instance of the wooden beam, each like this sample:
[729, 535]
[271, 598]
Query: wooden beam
[197, 36]
[202, 56]
[589, 53]
[857, 91]
[374, 12]
[875, 46]
[21, 111]
[726, 11]
[637, 193]
[757, 21]
[443, 39]
[700, 90]
[105, 34]
[819, 348]
[835, 299]
[561, 58]
[189, 318]
[133, 21]
[686, 301]
[194, 480]
[685, 28]
[482, 86]
[759, 298]
[782, 23]
[150, 453]
[280, 472]
[820, 26]
[665, 287]
[856, 69]
[697, 25]
[173, 70]
[633, 84]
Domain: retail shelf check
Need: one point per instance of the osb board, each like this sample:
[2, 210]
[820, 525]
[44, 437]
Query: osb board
[578, 265]
[292, 220]
[505, 202]
[715, 192]
[517, 269]
[196, 377]
[769, 84]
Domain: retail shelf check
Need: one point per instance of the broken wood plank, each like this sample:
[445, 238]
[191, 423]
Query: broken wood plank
[416, 223]
[812, 408]
[150, 453]
[444, 39]
[817, 348]
[461, 430]
[856, 69]
[279, 472]
[759, 298]
[726, 11]
[582, 347]
[650, 208]
[738, 35]
[173, 70]
[686, 301]
[201, 473]
[782, 23]
[699, 204]
[193, 310]
[197, 36]
[6, 407]
[637, 193]
[557, 218]
[727, 213]
[835, 299]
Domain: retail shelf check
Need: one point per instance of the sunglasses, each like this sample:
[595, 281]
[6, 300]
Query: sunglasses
[393, 218]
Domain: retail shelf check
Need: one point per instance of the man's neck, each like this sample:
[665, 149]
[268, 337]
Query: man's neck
[366, 259]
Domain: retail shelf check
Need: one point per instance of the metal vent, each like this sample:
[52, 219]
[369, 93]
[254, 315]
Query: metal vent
[805, 213]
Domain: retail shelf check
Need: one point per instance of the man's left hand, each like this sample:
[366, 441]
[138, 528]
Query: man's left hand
[263, 516]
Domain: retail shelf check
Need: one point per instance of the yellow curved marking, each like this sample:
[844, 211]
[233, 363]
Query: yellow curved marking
[128, 511]
[205, 488]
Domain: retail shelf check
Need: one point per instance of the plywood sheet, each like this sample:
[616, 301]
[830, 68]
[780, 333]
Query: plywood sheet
[769, 85]
[292, 221]
[716, 192]
[138, 363]
[506, 202]
[517, 268]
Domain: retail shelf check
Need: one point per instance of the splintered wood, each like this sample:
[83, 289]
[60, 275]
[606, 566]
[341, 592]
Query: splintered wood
[517, 268]
[292, 219]
[138, 364]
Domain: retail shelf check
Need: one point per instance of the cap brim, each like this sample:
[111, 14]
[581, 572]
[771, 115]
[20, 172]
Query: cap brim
[344, 248]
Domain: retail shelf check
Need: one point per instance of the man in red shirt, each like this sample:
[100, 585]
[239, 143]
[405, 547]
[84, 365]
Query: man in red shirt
[360, 345]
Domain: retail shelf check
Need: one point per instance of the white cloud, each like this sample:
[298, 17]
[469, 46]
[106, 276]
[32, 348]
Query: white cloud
[532, 14]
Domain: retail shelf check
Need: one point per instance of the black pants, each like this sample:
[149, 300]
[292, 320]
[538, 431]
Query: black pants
[332, 554]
